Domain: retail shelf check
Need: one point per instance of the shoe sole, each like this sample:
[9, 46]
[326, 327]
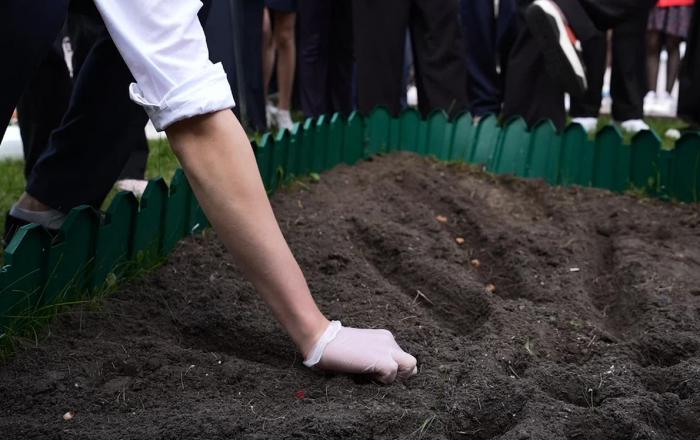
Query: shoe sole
[561, 58]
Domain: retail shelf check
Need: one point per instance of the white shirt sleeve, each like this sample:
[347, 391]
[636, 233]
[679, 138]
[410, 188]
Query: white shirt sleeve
[163, 44]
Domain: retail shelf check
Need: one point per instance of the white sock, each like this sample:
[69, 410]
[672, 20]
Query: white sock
[50, 219]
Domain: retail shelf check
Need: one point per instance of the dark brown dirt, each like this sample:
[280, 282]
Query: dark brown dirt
[592, 331]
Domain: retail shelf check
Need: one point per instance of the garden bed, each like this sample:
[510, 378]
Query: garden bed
[534, 313]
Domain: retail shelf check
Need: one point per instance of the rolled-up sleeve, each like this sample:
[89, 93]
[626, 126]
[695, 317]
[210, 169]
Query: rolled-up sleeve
[163, 44]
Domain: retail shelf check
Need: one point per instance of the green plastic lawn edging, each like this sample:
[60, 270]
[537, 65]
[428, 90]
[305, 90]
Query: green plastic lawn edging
[92, 251]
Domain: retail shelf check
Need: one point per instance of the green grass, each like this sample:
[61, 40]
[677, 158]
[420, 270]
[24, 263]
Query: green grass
[161, 160]
[659, 125]
[12, 184]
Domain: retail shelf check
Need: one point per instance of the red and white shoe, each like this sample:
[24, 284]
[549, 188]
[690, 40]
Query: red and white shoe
[560, 47]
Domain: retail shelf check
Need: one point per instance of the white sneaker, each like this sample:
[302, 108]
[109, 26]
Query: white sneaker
[136, 186]
[270, 114]
[412, 96]
[283, 120]
[588, 124]
[673, 134]
[665, 105]
[649, 100]
[633, 125]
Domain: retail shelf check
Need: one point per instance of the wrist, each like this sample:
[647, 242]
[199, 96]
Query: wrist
[310, 333]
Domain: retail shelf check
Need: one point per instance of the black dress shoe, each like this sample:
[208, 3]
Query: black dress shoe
[12, 225]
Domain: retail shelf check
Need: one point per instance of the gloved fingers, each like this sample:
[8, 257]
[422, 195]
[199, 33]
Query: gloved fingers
[406, 364]
[385, 371]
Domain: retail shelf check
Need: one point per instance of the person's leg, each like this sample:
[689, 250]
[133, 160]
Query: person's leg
[249, 28]
[216, 21]
[268, 51]
[88, 152]
[628, 80]
[585, 109]
[479, 26]
[28, 28]
[314, 53]
[653, 54]
[379, 33]
[673, 64]
[283, 34]
[43, 104]
[438, 48]
[689, 76]
[220, 166]
[341, 58]
[543, 98]
[507, 28]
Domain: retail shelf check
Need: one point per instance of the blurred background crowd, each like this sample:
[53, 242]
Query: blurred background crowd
[291, 59]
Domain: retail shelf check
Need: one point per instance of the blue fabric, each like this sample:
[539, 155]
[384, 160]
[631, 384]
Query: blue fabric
[488, 41]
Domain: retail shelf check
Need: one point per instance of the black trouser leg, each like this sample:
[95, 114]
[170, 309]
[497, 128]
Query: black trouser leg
[314, 50]
[594, 57]
[609, 13]
[629, 78]
[250, 61]
[28, 28]
[689, 77]
[530, 92]
[87, 153]
[438, 53]
[135, 167]
[479, 24]
[341, 58]
[379, 34]
[43, 103]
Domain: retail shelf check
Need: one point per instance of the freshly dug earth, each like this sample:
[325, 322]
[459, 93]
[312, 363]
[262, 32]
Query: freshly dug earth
[565, 313]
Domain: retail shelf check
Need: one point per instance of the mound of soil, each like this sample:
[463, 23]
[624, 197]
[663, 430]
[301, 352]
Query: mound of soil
[534, 312]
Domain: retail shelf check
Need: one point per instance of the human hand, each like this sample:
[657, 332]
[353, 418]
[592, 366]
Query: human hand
[361, 351]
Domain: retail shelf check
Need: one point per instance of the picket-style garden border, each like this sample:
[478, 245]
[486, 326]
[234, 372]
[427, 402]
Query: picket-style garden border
[94, 250]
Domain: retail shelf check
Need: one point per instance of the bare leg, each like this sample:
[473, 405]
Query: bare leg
[286, 56]
[268, 51]
[653, 52]
[220, 165]
[673, 64]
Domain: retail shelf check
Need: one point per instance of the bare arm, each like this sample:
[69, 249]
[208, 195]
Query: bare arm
[220, 165]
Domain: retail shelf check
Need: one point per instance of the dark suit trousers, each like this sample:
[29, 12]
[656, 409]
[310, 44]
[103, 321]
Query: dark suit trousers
[438, 48]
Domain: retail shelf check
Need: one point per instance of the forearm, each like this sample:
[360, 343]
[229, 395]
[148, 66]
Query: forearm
[216, 156]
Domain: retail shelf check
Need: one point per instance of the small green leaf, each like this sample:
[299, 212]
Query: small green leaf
[111, 280]
[315, 177]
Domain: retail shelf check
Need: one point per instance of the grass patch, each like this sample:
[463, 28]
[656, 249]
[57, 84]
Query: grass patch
[30, 327]
[659, 125]
[12, 184]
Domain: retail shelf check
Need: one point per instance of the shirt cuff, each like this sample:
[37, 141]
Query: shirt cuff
[205, 93]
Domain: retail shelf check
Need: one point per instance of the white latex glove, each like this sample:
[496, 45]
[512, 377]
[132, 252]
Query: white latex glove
[361, 351]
